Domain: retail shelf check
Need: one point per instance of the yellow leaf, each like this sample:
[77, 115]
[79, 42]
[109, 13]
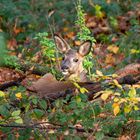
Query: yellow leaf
[116, 99]
[114, 105]
[78, 99]
[2, 94]
[53, 110]
[99, 73]
[76, 85]
[51, 131]
[132, 92]
[117, 93]
[83, 90]
[105, 95]
[112, 48]
[134, 51]
[117, 84]
[114, 75]
[18, 95]
[53, 59]
[116, 108]
[122, 101]
[134, 100]
[136, 108]
[127, 109]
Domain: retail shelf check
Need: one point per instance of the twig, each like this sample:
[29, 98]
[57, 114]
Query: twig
[44, 125]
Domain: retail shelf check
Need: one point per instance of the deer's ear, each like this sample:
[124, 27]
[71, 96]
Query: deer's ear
[85, 48]
[61, 44]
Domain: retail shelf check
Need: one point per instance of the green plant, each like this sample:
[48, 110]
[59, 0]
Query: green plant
[49, 51]
[83, 35]
[84, 32]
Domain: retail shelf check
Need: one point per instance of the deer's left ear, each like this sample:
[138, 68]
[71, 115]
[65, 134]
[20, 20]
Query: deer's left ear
[85, 48]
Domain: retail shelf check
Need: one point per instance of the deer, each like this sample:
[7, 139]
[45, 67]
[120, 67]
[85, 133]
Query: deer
[72, 61]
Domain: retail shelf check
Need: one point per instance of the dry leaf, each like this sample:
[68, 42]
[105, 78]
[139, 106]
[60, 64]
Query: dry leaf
[117, 84]
[99, 73]
[77, 43]
[112, 48]
[70, 34]
[109, 59]
[116, 108]
[105, 95]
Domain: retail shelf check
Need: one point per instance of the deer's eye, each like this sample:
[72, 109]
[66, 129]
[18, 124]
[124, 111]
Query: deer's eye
[63, 57]
[75, 60]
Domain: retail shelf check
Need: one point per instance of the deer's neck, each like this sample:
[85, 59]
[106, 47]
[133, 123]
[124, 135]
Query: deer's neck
[79, 76]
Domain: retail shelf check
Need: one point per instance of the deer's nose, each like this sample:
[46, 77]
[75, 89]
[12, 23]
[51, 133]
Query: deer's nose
[64, 67]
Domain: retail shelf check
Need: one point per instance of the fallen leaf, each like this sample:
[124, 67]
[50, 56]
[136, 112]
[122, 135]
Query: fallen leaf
[109, 59]
[127, 108]
[105, 95]
[77, 43]
[18, 95]
[112, 48]
[99, 73]
[117, 84]
[70, 34]
[116, 108]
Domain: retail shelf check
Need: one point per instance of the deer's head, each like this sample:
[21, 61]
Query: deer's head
[72, 59]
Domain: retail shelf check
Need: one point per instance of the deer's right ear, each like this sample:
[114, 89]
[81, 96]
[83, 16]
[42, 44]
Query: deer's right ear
[61, 44]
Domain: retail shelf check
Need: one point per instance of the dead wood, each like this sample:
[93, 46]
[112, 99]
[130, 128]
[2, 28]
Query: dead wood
[49, 87]
[130, 74]
[34, 68]
[11, 83]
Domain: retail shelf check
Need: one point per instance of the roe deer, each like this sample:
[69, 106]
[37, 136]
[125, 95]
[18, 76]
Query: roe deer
[71, 65]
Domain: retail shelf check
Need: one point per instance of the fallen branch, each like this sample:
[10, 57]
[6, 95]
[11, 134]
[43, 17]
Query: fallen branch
[46, 126]
[11, 83]
[34, 68]
[49, 87]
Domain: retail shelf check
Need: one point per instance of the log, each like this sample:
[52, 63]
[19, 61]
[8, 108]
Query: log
[49, 87]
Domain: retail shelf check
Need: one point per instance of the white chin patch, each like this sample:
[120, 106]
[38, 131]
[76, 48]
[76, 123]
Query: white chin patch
[65, 72]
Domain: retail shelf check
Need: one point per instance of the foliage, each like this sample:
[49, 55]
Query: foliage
[84, 32]
[83, 35]
[115, 114]
[3, 49]
[132, 41]
[72, 111]
[19, 25]
[6, 60]
[49, 52]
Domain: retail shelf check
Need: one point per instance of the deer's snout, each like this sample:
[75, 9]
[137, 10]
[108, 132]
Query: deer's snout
[64, 67]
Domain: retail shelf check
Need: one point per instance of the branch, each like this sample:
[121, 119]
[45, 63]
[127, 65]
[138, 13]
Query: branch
[11, 83]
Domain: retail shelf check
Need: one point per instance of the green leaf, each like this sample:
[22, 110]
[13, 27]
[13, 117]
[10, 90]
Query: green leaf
[16, 113]
[18, 120]
[3, 49]
[4, 111]
[99, 135]
[132, 92]
[38, 113]
[78, 99]
[2, 94]
[35, 101]
[43, 104]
